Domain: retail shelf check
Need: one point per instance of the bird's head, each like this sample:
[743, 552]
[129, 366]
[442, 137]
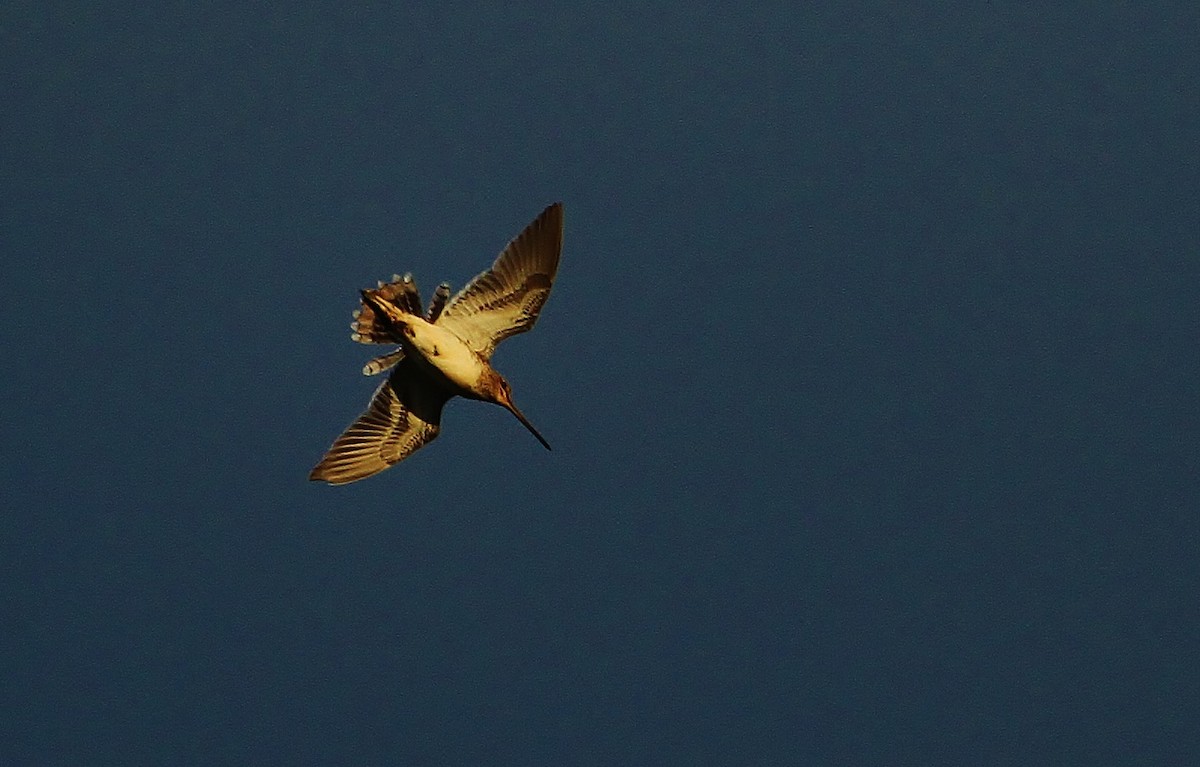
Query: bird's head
[502, 395]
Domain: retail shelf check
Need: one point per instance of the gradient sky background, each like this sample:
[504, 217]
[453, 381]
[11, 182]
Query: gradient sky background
[870, 374]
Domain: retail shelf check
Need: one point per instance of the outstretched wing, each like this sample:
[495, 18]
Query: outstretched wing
[506, 299]
[404, 415]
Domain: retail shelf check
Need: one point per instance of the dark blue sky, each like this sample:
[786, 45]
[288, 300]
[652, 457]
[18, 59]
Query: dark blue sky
[870, 373]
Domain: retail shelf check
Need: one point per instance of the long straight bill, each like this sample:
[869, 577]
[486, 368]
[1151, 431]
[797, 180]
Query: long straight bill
[521, 417]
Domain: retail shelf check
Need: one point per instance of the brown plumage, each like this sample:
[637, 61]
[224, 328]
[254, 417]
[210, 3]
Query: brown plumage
[444, 353]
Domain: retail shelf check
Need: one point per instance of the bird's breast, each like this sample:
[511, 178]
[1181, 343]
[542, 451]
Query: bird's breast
[445, 353]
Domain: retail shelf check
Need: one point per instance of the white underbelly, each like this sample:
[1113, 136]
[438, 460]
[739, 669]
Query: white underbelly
[447, 353]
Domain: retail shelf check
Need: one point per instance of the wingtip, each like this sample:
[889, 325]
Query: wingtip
[553, 217]
[319, 474]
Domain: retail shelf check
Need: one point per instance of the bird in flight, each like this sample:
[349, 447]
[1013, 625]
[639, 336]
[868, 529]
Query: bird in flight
[443, 352]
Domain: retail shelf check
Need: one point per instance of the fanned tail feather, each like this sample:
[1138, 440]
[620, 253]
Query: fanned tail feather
[369, 327]
[438, 302]
[383, 362]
